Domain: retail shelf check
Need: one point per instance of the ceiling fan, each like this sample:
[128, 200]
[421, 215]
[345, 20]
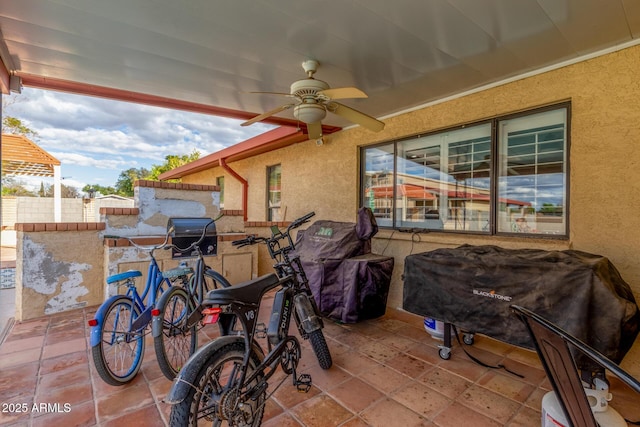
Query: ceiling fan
[313, 98]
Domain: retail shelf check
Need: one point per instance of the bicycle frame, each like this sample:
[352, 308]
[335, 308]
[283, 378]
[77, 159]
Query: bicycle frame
[153, 283]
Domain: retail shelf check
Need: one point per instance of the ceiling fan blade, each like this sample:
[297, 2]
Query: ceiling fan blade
[274, 93]
[343, 93]
[356, 116]
[267, 114]
[314, 130]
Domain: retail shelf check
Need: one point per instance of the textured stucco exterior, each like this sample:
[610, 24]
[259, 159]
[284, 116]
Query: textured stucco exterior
[604, 164]
[57, 271]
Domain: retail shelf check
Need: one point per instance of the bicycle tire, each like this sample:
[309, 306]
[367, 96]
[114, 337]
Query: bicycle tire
[119, 354]
[214, 385]
[176, 342]
[320, 348]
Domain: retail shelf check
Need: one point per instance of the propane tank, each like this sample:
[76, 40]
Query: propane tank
[606, 416]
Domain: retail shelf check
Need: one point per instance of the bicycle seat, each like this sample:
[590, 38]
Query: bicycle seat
[248, 292]
[123, 276]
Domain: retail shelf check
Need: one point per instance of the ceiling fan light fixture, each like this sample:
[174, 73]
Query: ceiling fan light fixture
[309, 113]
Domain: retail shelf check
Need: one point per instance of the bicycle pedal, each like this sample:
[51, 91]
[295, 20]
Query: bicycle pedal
[303, 383]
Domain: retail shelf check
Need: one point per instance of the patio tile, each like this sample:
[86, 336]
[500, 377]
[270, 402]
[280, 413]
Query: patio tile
[408, 365]
[288, 397]
[126, 400]
[421, 399]
[22, 344]
[78, 415]
[355, 394]
[19, 358]
[272, 410]
[64, 361]
[384, 378]
[353, 362]
[355, 422]
[506, 385]
[63, 378]
[387, 372]
[146, 416]
[457, 415]
[64, 347]
[379, 352]
[282, 420]
[321, 411]
[445, 382]
[491, 404]
[391, 413]
[396, 341]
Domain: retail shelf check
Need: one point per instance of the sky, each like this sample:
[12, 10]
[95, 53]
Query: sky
[96, 139]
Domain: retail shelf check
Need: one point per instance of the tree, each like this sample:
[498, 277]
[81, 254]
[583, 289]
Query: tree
[93, 189]
[124, 185]
[16, 127]
[12, 187]
[172, 162]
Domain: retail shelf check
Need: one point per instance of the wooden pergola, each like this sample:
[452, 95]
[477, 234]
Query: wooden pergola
[23, 157]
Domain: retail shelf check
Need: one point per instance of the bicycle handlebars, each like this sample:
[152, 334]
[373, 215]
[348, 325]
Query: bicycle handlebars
[250, 240]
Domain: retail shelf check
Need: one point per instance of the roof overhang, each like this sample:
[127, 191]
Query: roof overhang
[268, 141]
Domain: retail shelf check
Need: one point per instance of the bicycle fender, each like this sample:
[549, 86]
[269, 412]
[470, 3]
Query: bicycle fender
[187, 375]
[306, 314]
[94, 336]
[156, 326]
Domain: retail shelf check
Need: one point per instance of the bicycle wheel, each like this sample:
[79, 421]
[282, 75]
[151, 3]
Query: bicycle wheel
[118, 357]
[176, 342]
[320, 348]
[212, 399]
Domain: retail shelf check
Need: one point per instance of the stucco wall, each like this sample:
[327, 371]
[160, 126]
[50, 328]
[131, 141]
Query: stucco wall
[604, 172]
[57, 271]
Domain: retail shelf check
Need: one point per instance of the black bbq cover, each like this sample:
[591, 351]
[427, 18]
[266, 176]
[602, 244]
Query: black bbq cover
[472, 287]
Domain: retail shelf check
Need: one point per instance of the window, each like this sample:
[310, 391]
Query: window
[471, 179]
[274, 193]
[220, 184]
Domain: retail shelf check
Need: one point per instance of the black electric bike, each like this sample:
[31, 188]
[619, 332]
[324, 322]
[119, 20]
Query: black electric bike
[225, 382]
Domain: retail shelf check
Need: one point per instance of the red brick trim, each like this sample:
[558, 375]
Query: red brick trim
[267, 223]
[145, 241]
[119, 211]
[231, 237]
[34, 227]
[175, 186]
[232, 212]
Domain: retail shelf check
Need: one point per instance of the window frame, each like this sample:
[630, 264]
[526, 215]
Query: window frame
[391, 146]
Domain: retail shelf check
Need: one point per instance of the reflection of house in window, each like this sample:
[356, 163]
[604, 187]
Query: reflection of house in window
[274, 194]
[473, 178]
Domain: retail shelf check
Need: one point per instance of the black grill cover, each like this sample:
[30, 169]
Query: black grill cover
[348, 283]
[472, 287]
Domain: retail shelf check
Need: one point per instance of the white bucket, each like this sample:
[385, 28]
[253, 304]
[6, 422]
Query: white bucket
[434, 327]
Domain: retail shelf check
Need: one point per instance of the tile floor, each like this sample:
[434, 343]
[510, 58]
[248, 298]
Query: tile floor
[386, 372]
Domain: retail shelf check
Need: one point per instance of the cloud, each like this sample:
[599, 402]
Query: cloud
[87, 133]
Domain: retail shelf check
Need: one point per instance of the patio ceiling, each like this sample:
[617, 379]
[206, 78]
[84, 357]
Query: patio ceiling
[206, 55]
